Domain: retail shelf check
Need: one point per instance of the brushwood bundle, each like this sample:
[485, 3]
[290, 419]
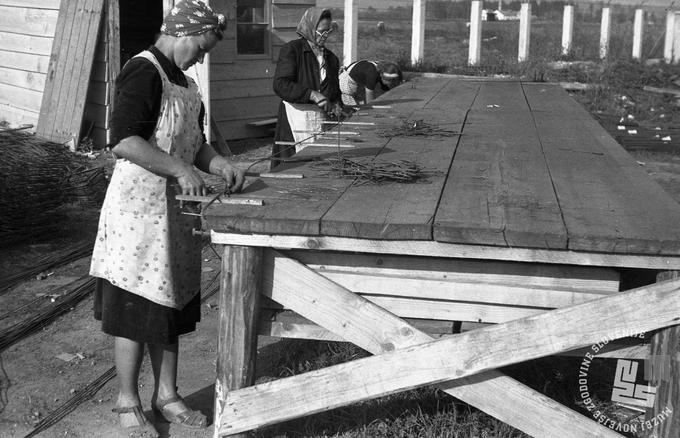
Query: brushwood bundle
[414, 128]
[374, 171]
[39, 177]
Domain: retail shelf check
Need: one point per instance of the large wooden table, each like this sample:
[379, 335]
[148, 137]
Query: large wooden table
[533, 207]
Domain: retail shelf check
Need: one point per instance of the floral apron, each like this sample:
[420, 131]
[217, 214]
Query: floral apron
[352, 93]
[144, 245]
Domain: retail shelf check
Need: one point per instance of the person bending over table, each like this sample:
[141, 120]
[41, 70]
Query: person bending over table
[146, 259]
[306, 72]
[362, 81]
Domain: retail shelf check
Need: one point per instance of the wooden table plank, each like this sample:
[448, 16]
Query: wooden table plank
[500, 97]
[533, 171]
[296, 206]
[499, 190]
[641, 217]
[291, 206]
[398, 210]
[541, 97]
[606, 207]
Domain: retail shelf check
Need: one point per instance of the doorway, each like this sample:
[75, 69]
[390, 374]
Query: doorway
[140, 23]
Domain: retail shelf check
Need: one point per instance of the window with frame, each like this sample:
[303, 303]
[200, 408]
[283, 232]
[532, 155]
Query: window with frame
[252, 27]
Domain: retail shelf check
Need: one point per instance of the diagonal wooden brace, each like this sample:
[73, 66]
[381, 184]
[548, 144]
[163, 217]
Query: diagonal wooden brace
[428, 361]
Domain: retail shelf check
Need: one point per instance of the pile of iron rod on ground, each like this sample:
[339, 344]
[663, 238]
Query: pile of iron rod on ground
[39, 177]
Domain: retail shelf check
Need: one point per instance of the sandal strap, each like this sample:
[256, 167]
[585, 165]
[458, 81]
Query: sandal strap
[188, 417]
[161, 404]
[137, 410]
[192, 418]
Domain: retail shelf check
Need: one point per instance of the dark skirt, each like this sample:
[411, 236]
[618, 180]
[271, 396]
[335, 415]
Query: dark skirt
[126, 315]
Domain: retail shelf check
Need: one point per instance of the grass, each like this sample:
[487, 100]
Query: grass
[428, 412]
[424, 412]
[446, 51]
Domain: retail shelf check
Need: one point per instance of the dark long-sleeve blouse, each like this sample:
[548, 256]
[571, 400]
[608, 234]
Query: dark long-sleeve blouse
[297, 73]
[137, 103]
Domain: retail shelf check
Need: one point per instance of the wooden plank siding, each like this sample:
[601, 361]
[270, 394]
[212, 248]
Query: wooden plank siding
[29, 44]
[27, 30]
[95, 116]
[24, 61]
[29, 80]
[27, 21]
[241, 87]
[33, 4]
[63, 106]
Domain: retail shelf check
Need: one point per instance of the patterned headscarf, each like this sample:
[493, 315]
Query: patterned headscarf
[306, 28]
[192, 17]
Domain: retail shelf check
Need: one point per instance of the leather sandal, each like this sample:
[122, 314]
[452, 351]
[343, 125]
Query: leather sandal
[189, 418]
[143, 428]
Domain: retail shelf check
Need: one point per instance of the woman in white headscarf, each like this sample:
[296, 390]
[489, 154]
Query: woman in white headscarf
[306, 72]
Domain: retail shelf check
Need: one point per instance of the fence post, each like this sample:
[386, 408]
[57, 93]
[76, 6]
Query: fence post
[638, 25]
[351, 29]
[418, 36]
[567, 29]
[524, 31]
[676, 38]
[475, 50]
[668, 48]
[605, 31]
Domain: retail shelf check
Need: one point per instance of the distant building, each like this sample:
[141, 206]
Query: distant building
[497, 15]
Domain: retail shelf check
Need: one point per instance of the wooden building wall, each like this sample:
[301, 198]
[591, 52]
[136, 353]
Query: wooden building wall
[95, 119]
[241, 86]
[27, 29]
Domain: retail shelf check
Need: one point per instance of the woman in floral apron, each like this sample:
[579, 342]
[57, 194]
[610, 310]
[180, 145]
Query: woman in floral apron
[147, 262]
[362, 81]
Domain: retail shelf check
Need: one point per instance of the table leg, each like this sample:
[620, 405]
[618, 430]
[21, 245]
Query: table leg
[239, 305]
[663, 420]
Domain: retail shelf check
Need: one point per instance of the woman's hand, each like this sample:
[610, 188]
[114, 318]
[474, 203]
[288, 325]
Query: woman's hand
[233, 176]
[190, 182]
[336, 111]
[138, 151]
[210, 162]
[321, 101]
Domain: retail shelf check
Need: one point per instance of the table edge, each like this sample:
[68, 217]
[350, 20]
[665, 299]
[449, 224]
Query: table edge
[430, 248]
